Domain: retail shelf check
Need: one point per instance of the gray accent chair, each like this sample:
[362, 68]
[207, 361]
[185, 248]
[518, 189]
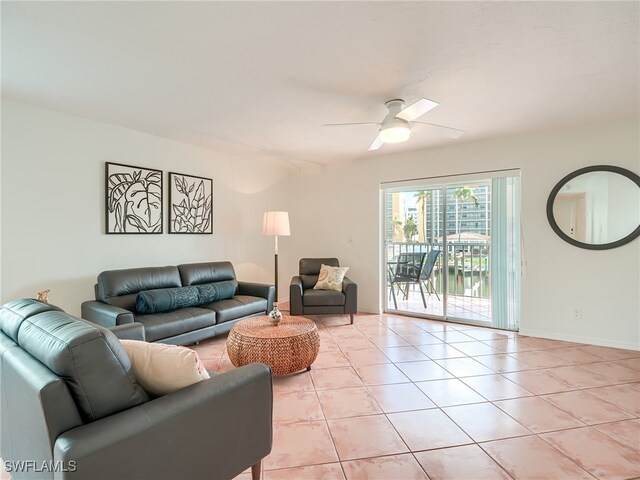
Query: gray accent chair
[304, 300]
[116, 292]
[70, 408]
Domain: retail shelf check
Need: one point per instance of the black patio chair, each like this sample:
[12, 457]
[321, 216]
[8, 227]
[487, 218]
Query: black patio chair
[413, 268]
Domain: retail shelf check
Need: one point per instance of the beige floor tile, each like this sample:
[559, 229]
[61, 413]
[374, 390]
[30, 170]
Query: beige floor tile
[404, 354]
[597, 453]
[573, 355]
[484, 422]
[530, 458]
[347, 402]
[587, 408]
[626, 397]
[464, 367]
[538, 415]
[450, 392]
[369, 356]
[293, 383]
[301, 406]
[495, 387]
[423, 371]
[626, 432]
[396, 467]
[300, 444]
[464, 462]
[608, 353]
[630, 363]
[614, 371]
[579, 377]
[539, 359]
[502, 363]
[400, 397]
[539, 382]
[382, 374]
[475, 348]
[328, 471]
[423, 338]
[332, 378]
[428, 429]
[363, 437]
[453, 336]
[329, 359]
[440, 351]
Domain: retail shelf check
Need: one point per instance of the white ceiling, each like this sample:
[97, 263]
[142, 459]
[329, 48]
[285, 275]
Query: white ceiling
[259, 79]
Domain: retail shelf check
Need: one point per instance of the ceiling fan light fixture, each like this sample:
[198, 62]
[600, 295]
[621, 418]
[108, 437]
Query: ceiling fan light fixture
[395, 133]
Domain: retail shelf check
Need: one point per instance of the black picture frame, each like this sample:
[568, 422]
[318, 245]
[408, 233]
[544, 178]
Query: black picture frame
[190, 204]
[133, 200]
[590, 246]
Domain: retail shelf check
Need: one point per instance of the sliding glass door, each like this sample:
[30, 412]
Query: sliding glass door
[452, 248]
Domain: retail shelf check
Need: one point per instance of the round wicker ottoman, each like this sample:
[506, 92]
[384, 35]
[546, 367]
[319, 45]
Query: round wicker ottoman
[290, 346]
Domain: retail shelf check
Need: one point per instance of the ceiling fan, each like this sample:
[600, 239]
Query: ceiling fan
[396, 126]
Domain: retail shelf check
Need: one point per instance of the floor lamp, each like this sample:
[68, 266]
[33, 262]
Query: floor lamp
[276, 224]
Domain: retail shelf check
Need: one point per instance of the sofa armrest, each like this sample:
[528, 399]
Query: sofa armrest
[350, 290]
[104, 314]
[258, 290]
[295, 296]
[129, 331]
[213, 429]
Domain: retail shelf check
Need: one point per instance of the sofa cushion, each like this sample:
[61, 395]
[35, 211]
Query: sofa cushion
[119, 287]
[89, 358]
[158, 326]
[161, 369]
[237, 307]
[199, 273]
[168, 299]
[309, 269]
[322, 298]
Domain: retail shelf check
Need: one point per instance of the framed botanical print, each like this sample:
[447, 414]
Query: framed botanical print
[190, 204]
[133, 199]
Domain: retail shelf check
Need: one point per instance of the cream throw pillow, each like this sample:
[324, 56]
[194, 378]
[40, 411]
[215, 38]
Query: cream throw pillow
[330, 278]
[162, 369]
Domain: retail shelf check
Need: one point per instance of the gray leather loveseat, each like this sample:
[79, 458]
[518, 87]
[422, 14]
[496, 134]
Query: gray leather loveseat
[118, 300]
[70, 408]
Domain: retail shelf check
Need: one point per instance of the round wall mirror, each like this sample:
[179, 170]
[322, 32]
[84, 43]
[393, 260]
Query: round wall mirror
[596, 207]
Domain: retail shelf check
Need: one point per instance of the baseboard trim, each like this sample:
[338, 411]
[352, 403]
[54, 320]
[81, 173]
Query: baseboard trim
[579, 339]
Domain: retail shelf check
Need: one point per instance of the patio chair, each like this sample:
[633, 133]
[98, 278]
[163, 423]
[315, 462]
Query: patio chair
[413, 268]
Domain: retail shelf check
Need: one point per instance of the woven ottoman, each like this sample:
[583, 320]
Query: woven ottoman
[290, 346]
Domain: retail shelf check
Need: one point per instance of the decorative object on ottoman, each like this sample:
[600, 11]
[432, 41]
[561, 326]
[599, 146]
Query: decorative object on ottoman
[43, 296]
[161, 369]
[275, 316]
[276, 223]
[291, 347]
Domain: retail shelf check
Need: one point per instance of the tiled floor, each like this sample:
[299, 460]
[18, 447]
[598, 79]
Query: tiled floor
[395, 398]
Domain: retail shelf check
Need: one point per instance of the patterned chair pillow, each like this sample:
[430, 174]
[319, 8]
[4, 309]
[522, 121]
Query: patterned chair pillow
[330, 278]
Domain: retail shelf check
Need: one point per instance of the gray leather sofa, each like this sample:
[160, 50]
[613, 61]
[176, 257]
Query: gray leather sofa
[70, 408]
[116, 292]
[304, 300]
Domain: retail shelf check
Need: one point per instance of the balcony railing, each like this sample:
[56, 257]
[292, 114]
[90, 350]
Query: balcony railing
[468, 265]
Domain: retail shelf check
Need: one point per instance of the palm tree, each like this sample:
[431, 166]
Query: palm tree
[410, 229]
[422, 197]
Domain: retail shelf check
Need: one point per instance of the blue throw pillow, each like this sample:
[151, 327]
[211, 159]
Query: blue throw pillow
[166, 299]
[210, 292]
[163, 300]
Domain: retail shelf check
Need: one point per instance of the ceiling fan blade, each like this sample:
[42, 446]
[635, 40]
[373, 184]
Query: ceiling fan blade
[377, 143]
[446, 131]
[344, 124]
[417, 109]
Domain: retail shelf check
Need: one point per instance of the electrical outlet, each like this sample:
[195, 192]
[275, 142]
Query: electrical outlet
[576, 313]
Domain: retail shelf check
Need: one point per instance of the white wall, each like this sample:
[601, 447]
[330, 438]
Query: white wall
[52, 204]
[52, 219]
[336, 213]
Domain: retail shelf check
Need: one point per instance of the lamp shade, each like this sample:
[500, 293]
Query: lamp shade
[276, 223]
